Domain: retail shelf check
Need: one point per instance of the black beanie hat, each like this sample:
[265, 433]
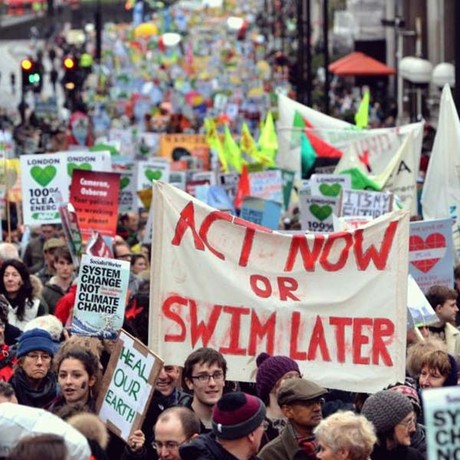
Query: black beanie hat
[386, 409]
[236, 415]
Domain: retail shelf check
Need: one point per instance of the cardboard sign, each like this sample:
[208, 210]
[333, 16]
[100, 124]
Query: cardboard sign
[194, 144]
[317, 213]
[178, 179]
[100, 301]
[94, 195]
[267, 185]
[364, 203]
[240, 288]
[44, 175]
[441, 408]
[128, 186]
[261, 212]
[329, 185]
[127, 386]
[431, 253]
[154, 169]
[229, 182]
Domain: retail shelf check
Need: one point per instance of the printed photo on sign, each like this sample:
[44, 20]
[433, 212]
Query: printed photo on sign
[317, 213]
[101, 297]
[420, 310]
[364, 203]
[431, 253]
[329, 185]
[127, 386]
[265, 285]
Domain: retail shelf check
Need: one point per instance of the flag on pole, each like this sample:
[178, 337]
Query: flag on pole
[362, 115]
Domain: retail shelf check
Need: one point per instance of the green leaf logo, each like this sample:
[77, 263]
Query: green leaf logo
[153, 175]
[43, 176]
[330, 190]
[321, 212]
[124, 182]
[72, 166]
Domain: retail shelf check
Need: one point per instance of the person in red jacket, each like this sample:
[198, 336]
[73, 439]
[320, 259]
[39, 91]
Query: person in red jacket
[64, 305]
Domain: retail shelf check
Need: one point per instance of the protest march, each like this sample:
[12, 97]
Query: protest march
[196, 263]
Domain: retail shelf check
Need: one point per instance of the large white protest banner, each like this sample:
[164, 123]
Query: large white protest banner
[242, 289]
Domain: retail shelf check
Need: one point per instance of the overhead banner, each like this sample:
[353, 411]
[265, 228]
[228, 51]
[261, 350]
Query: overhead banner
[243, 290]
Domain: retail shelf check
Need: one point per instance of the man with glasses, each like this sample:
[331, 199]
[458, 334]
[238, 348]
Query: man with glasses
[175, 426]
[204, 375]
[122, 251]
[301, 402]
[238, 424]
[34, 383]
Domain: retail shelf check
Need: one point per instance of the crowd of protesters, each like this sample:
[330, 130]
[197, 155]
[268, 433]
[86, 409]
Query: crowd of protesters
[195, 413]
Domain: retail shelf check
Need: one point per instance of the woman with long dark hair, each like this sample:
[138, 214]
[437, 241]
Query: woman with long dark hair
[16, 286]
[78, 374]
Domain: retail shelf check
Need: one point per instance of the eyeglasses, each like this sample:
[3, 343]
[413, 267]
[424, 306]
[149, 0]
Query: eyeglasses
[205, 378]
[408, 423]
[168, 445]
[36, 356]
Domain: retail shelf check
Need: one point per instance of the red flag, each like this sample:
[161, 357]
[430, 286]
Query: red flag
[244, 187]
[322, 148]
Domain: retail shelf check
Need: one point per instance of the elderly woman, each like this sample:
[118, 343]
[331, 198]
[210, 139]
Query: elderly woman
[345, 436]
[33, 381]
[393, 418]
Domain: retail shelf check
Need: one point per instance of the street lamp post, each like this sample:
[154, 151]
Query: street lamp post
[326, 54]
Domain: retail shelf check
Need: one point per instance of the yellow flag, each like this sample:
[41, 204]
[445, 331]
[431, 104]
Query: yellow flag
[362, 115]
[268, 140]
[232, 151]
[213, 140]
[247, 142]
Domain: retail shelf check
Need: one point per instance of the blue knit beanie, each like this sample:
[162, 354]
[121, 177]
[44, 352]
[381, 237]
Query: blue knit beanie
[36, 340]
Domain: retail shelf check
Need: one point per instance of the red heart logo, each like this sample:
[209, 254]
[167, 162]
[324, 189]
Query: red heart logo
[421, 252]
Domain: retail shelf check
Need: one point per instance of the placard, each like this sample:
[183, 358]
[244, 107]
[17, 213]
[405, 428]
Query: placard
[194, 144]
[261, 212]
[441, 409]
[365, 203]
[154, 169]
[267, 185]
[431, 253]
[100, 301]
[329, 185]
[94, 195]
[44, 175]
[317, 213]
[127, 386]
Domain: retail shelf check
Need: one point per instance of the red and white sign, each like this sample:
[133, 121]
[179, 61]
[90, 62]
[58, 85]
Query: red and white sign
[228, 284]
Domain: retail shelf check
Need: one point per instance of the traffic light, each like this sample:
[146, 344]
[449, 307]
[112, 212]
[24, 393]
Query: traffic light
[31, 75]
[71, 73]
